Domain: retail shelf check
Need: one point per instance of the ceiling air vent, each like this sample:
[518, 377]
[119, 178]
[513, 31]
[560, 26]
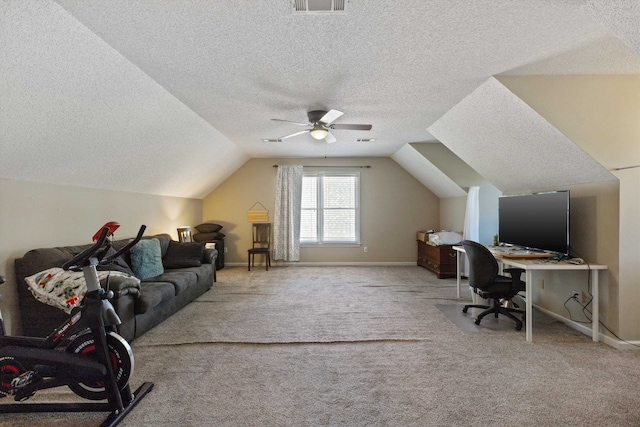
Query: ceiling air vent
[318, 6]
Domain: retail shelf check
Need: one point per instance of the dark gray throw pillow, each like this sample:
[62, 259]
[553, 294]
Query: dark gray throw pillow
[208, 227]
[208, 237]
[183, 254]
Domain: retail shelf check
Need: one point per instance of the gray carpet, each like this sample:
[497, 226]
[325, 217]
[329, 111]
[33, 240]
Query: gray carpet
[363, 346]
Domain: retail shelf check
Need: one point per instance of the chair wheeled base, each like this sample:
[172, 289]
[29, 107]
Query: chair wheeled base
[497, 308]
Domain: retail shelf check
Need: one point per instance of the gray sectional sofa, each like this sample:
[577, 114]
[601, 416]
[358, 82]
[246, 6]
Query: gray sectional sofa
[187, 271]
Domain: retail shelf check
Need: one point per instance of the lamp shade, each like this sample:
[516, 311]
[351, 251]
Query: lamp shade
[319, 133]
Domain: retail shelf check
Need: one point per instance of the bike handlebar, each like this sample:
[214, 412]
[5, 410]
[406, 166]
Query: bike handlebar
[127, 246]
[81, 259]
[86, 254]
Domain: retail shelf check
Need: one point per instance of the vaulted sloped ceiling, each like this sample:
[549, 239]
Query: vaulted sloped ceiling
[429, 174]
[170, 97]
[76, 112]
[511, 145]
[620, 17]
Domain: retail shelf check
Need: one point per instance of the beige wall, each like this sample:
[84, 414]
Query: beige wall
[452, 210]
[452, 213]
[593, 236]
[600, 114]
[394, 205]
[35, 215]
[629, 268]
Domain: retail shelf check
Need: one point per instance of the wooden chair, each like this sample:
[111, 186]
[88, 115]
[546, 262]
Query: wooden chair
[261, 244]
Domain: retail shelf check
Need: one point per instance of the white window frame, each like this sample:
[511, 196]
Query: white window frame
[320, 208]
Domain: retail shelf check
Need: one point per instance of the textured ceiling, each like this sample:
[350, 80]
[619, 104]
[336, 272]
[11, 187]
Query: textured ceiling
[170, 97]
[620, 17]
[75, 112]
[427, 173]
[501, 149]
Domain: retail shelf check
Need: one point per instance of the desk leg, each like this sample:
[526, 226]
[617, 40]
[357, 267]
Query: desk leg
[529, 309]
[458, 271]
[595, 317]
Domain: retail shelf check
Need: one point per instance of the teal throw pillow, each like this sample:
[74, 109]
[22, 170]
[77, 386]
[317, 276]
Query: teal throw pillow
[146, 259]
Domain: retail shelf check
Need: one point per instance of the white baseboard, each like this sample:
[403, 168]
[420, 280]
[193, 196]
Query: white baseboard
[586, 329]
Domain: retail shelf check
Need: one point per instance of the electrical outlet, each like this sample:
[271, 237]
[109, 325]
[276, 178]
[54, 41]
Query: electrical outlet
[541, 283]
[226, 250]
[366, 249]
[575, 295]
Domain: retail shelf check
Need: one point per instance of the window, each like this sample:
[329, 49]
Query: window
[330, 208]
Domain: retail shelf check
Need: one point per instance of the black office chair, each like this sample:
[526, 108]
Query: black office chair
[261, 243]
[488, 284]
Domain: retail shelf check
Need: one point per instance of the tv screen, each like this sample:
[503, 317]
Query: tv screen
[535, 221]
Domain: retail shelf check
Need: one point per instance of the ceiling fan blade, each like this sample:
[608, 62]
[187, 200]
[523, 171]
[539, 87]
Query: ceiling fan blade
[351, 127]
[330, 116]
[294, 134]
[289, 121]
[330, 139]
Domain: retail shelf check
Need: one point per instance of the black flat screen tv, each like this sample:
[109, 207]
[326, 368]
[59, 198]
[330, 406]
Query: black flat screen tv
[537, 221]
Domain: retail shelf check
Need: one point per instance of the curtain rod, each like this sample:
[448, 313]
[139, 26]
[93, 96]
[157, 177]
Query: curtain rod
[320, 166]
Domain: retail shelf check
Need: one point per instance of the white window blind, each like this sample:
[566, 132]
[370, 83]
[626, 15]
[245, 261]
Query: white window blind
[330, 208]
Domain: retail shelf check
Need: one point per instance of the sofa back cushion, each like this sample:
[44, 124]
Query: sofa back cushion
[37, 260]
[164, 240]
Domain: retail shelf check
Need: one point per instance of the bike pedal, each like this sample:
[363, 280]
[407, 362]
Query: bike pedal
[22, 386]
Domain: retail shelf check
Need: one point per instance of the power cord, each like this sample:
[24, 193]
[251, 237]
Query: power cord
[586, 310]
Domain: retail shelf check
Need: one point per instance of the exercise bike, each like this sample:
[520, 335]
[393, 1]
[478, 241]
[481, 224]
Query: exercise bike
[84, 353]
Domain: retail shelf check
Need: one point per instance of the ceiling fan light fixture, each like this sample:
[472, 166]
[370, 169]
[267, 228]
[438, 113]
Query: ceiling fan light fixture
[320, 125]
[319, 133]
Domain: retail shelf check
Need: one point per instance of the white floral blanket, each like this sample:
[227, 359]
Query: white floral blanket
[63, 289]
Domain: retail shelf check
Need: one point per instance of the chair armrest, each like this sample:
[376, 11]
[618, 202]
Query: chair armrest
[515, 273]
[517, 284]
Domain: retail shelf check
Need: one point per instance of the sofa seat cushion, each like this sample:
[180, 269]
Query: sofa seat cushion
[180, 280]
[153, 294]
[202, 272]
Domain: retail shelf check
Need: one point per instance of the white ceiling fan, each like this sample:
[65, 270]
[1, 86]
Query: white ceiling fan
[320, 123]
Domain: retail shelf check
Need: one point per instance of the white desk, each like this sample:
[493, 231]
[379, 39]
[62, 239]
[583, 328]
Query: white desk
[530, 266]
